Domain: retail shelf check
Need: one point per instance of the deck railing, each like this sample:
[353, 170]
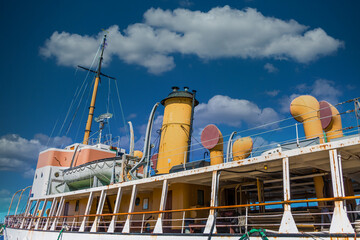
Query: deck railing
[145, 221]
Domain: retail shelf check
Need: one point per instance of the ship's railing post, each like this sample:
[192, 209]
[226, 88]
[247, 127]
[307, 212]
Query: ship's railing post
[158, 226]
[26, 213]
[34, 214]
[87, 211]
[126, 228]
[51, 213]
[213, 202]
[288, 224]
[99, 210]
[142, 223]
[340, 222]
[183, 222]
[58, 212]
[246, 218]
[41, 215]
[112, 225]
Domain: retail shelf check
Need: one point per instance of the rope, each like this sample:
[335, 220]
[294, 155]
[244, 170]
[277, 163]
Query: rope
[261, 231]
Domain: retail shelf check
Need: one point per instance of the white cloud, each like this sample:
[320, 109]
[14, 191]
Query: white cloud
[232, 112]
[20, 154]
[272, 93]
[186, 3]
[270, 68]
[222, 32]
[285, 102]
[324, 89]
[321, 89]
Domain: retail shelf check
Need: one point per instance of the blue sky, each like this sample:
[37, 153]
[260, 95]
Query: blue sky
[248, 58]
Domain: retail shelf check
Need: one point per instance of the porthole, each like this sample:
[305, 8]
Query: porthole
[41, 175]
[56, 174]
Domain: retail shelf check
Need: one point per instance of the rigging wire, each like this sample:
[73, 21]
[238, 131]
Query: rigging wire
[121, 109]
[86, 103]
[76, 96]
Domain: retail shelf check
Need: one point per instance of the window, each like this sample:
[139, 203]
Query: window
[137, 201]
[77, 205]
[200, 197]
[146, 203]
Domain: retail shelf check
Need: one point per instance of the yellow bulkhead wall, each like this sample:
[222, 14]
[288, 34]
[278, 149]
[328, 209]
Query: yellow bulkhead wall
[174, 133]
[183, 196]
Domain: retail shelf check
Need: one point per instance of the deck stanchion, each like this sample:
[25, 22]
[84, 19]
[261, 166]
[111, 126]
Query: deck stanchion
[158, 226]
[34, 214]
[288, 224]
[58, 212]
[112, 225]
[340, 222]
[87, 211]
[99, 210]
[26, 213]
[126, 228]
[246, 218]
[183, 222]
[41, 215]
[213, 203]
[51, 213]
[142, 223]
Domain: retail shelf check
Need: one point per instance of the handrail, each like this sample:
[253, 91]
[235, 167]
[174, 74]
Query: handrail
[203, 208]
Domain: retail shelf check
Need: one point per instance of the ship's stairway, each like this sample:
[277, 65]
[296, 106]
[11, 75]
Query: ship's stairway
[105, 220]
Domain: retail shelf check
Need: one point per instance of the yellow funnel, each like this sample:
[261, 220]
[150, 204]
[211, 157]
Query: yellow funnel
[305, 109]
[242, 148]
[175, 129]
[212, 139]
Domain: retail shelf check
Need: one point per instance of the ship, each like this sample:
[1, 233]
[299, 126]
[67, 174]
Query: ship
[305, 187]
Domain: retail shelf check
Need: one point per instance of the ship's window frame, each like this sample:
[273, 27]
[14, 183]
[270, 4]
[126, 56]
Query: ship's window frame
[200, 197]
[145, 203]
[77, 204]
[137, 201]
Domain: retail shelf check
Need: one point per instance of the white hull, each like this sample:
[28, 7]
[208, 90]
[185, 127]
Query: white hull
[23, 234]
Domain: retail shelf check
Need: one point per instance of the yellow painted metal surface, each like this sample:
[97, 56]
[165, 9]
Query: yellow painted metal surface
[305, 109]
[138, 154]
[319, 189]
[91, 112]
[334, 130]
[174, 133]
[242, 148]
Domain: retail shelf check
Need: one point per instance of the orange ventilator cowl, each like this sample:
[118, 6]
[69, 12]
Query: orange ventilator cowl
[212, 139]
[305, 109]
[242, 148]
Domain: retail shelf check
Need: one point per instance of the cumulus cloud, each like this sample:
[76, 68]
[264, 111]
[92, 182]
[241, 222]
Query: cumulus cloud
[321, 89]
[139, 144]
[272, 93]
[270, 68]
[20, 154]
[233, 112]
[186, 3]
[222, 32]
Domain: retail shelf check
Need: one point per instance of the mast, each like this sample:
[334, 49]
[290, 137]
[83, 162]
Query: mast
[93, 98]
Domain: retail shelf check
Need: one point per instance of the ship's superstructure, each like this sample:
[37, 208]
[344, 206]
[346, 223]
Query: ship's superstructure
[304, 188]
